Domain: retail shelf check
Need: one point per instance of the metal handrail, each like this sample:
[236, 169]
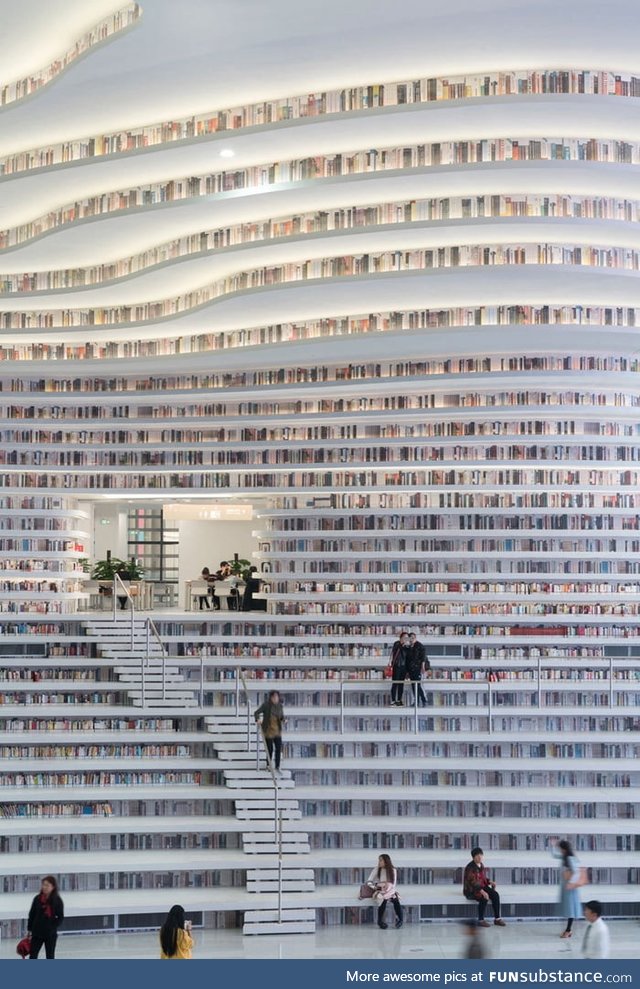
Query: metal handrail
[277, 812]
[151, 626]
[118, 580]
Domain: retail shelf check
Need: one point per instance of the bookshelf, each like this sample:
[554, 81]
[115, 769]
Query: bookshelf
[562, 729]
[301, 225]
[392, 161]
[42, 542]
[315, 269]
[104, 30]
[372, 98]
[462, 462]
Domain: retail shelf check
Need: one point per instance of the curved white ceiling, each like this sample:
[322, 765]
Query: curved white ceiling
[162, 68]
[189, 57]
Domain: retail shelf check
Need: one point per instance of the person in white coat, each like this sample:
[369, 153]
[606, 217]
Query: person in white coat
[384, 879]
[595, 943]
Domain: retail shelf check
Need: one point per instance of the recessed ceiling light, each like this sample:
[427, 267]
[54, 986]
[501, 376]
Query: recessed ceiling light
[227, 153]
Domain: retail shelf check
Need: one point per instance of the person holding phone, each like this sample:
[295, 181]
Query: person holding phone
[175, 935]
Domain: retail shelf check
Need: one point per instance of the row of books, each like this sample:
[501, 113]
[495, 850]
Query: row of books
[615, 440]
[226, 456]
[35, 778]
[268, 482]
[344, 266]
[186, 343]
[18, 89]
[325, 221]
[54, 810]
[270, 112]
[417, 398]
[120, 750]
[319, 167]
[68, 725]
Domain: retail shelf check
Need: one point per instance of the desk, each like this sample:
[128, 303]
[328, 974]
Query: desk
[223, 589]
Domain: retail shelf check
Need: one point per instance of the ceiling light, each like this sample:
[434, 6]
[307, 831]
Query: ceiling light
[227, 153]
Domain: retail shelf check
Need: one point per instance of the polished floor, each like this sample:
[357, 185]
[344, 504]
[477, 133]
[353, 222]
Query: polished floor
[415, 941]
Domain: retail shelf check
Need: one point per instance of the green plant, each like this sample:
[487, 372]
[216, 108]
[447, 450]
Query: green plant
[131, 570]
[107, 569]
[84, 563]
[239, 567]
[125, 569]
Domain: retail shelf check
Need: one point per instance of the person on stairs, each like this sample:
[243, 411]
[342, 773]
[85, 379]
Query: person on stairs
[400, 655]
[271, 717]
[385, 877]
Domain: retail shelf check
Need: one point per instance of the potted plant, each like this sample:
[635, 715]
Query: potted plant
[125, 569]
[239, 567]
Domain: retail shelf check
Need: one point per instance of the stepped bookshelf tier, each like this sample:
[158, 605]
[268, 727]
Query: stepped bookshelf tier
[43, 540]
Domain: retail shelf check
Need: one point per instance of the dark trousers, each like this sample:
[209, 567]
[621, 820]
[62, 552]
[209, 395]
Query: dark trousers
[415, 683]
[49, 941]
[397, 906]
[204, 602]
[275, 743]
[397, 689]
[494, 899]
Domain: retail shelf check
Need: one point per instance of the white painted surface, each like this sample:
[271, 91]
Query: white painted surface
[206, 544]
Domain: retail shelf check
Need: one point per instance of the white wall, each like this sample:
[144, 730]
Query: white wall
[205, 544]
[112, 536]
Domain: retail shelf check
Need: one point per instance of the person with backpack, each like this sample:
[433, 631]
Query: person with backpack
[270, 717]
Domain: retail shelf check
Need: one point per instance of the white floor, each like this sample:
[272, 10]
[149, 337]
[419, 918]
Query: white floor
[415, 941]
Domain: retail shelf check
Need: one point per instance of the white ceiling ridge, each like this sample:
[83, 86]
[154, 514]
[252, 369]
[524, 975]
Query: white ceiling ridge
[108, 28]
[378, 97]
[366, 284]
[29, 284]
[260, 179]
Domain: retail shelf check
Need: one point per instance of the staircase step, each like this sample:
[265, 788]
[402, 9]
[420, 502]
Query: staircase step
[266, 834]
[288, 886]
[263, 848]
[267, 815]
[288, 913]
[290, 873]
[263, 803]
[286, 927]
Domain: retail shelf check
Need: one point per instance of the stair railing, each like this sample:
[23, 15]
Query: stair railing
[125, 593]
[151, 628]
[277, 811]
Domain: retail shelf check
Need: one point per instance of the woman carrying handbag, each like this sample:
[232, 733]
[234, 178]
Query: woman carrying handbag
[383, 879]
[45, 916]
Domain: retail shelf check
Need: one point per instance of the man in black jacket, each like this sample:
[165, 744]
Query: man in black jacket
[417, 663]
[399, 662]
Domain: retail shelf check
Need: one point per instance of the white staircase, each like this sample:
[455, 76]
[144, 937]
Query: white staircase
[162, 688]
[257, 808]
